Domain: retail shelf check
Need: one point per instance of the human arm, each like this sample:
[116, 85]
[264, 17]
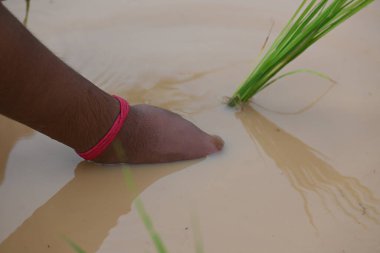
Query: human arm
[41, 91]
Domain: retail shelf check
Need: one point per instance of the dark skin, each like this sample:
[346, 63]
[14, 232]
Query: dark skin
[42, 92]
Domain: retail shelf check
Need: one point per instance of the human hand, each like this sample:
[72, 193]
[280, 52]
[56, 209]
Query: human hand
[41, 91]
[154, 135]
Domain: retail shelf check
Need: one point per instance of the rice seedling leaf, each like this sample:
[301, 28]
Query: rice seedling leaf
[25, 22]
[298, 71]
[312, 20]
[144, 216]
[74, 246]
[158, 243]
[197, 235]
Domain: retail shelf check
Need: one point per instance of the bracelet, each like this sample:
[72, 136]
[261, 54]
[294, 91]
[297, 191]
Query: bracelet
[98, 149]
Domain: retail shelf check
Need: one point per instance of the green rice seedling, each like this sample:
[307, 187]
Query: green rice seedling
[312, 20]
[144, 216]
[27, 9]
[198, 242]
[148, 223]
[74, 246]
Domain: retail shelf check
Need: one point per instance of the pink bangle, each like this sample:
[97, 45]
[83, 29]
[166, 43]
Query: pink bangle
[98, 149]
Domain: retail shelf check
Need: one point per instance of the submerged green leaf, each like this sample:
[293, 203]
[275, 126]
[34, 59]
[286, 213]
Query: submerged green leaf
[154, 235]
[74, 246]
[197, 235]
[158, 243]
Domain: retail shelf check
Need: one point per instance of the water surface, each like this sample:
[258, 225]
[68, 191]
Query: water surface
[300, 171]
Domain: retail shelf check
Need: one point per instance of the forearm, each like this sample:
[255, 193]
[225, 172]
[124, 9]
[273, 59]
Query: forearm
[39, 90]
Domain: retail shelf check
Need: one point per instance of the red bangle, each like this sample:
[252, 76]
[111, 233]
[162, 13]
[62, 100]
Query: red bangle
[98, 149]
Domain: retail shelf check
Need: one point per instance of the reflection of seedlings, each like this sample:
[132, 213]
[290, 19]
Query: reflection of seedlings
[26, 12]
[312, 20]
[308, 172]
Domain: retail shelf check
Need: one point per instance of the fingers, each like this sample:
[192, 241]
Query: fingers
[154, 135]
[200, 145]
[218, 142]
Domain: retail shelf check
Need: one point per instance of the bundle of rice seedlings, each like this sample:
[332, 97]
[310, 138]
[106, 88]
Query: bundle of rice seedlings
[312, 20]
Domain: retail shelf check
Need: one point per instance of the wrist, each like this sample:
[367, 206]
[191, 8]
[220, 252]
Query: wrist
[96, 150]
[125, 142]
[98, 112]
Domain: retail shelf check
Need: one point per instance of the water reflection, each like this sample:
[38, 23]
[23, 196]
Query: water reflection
[85, 209]
[10, 132]
[308, 172]
[303, 109]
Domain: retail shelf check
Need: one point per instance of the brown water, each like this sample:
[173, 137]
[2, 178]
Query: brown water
[301, 168]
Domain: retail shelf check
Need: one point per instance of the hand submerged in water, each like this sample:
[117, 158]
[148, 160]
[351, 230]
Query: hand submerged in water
[154, 135]
[42, 92]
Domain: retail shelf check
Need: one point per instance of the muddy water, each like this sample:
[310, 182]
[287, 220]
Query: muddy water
[301, 167]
